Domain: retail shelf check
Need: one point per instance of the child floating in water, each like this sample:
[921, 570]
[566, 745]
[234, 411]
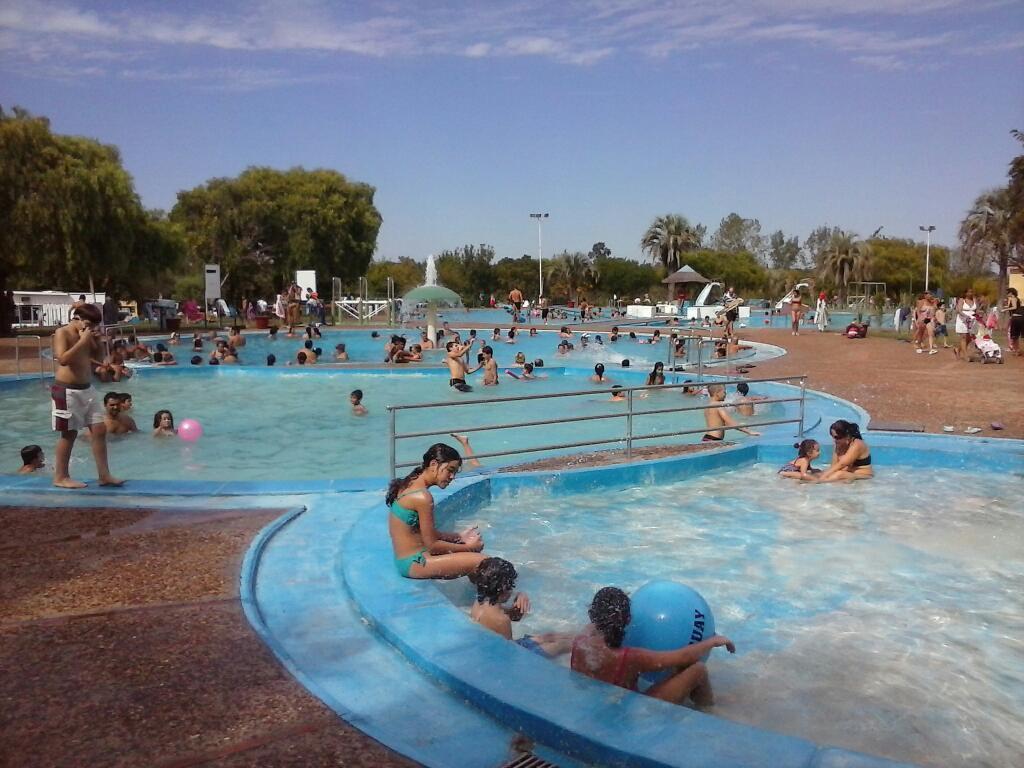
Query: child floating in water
[598, 653]
[800, 468]
[495, 579]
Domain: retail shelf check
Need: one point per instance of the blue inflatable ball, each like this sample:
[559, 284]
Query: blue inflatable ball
[667, 615]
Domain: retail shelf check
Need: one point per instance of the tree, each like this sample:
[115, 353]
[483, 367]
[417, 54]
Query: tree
[406, 273]
[669, 237]
[69, 213]
[625, 277]
[600, 251]
[736, 234]
[900, 264]
[986, 229]
[264, 224]
[846, 260]
[522, 273]
[1016, 201]
[467, 271]
[570, 273]
[783, 252]
[817, 243]
[740, 270]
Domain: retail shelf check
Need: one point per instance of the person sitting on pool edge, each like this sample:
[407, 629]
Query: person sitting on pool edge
[420, 550]
[31, 459]
[597, 652]
[851, 459]
[495, 579]
[717, 418]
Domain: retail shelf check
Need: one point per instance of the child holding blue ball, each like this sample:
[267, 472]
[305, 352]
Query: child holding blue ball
[598, 652]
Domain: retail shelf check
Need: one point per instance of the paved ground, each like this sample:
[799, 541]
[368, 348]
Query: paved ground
[123, 643]
[893, 383]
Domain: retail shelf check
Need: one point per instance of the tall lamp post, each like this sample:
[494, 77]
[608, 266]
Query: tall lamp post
[927, 252]
[540, 252]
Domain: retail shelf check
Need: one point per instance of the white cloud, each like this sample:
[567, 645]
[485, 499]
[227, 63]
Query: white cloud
[880, 34]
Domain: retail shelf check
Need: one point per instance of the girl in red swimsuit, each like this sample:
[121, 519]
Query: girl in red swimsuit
[598, 652]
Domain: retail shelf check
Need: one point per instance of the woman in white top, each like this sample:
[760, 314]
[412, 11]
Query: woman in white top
[966, 308]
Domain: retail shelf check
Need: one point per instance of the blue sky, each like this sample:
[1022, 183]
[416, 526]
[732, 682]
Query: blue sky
[468, 116]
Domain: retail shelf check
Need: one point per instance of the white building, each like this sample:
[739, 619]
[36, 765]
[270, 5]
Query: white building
[36, 308]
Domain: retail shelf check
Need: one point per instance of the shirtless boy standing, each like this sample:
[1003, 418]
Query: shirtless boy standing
[490, 368]
[457, 365]
[717, 418]
[76, 404]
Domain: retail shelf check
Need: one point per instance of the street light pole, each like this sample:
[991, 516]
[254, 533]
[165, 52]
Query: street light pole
[927, 252]
[540, 252]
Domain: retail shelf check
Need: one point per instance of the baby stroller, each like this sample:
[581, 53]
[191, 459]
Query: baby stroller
[990, 351]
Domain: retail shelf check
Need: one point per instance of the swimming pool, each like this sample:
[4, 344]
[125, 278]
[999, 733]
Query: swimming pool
[264, 424]
[880, 616]
[363, 347]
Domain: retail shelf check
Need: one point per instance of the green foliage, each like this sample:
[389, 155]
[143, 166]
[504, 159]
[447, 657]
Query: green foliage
[406, 273]
[817, 244]
[987, 229]
[69, 213]
[783, 252]
[522, 273]
[900, 264]
[571, 273]
[626, 278]
[1015, 192]
[669, 237]
[846, 260]
[736, 234]
[265, 224]
[467, 271]
[740, 270]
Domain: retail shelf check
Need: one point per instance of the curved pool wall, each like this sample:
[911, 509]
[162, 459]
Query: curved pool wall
[590, 720]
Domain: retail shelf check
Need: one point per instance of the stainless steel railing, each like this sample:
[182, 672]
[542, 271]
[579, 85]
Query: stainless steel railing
[39, 352]
[628, 437]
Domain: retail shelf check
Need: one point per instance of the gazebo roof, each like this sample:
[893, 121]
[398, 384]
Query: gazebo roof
[686, 275]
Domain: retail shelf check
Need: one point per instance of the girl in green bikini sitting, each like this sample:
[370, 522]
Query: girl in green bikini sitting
[422, 551]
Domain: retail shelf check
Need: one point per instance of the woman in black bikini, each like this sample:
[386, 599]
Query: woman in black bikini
[851, 459]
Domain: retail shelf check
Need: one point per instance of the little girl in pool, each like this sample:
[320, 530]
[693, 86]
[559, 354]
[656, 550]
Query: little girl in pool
[800, 468]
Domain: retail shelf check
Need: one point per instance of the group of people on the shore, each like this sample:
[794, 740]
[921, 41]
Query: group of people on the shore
[974, 323]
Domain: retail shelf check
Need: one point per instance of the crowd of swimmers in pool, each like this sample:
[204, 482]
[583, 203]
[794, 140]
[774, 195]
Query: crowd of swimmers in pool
[422, 551]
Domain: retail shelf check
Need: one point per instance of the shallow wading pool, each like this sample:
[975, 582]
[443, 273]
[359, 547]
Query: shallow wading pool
[882, 616]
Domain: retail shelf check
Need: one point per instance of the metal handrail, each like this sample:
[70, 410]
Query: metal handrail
[17, 354]
[627, 438]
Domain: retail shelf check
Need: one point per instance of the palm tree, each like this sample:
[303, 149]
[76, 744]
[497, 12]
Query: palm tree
[986, 229]
[846, 260]
[668, 238]
[571, 273]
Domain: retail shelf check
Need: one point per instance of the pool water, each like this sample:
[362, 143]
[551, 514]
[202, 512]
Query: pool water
[363, 347]
[262, 425]
[883, 616]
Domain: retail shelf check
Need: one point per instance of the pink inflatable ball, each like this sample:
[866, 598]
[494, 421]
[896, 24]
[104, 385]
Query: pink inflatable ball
[190, 430]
